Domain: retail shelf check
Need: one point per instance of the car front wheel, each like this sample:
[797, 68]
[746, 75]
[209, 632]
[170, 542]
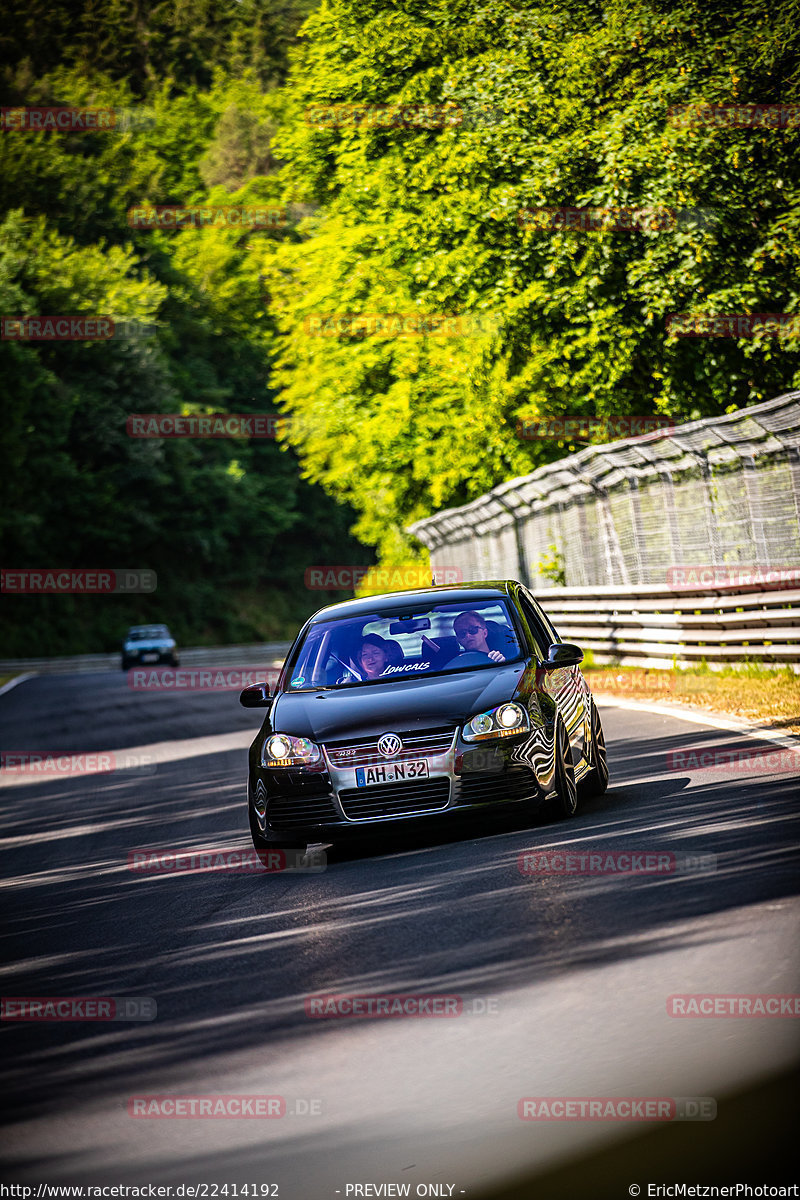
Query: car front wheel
[263, 846]
[565, 802]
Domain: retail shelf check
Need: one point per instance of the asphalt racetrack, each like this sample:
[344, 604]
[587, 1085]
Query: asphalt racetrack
[561, 980]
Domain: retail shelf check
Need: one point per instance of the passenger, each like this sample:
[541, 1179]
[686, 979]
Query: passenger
[373, 656]
[472, 631]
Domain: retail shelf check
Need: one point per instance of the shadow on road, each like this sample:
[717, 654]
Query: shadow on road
[230, 958]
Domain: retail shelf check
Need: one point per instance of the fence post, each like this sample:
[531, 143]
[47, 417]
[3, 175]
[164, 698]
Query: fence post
[522, 566]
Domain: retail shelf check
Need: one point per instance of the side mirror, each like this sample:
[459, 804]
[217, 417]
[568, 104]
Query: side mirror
[255, 695]
[563, 654]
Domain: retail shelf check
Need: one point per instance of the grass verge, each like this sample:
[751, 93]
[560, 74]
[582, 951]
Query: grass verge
[750, 692]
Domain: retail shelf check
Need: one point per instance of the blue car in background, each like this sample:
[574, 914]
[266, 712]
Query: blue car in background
[149, 644]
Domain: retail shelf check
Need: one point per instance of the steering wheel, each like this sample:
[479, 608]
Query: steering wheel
[468, 658]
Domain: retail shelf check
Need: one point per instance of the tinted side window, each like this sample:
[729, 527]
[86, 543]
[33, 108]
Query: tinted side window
[545, 622]
[538, 630]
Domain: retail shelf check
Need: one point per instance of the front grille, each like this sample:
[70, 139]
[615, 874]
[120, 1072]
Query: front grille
[395, 799]
[424, 743]
[291, 812]
[517, 784]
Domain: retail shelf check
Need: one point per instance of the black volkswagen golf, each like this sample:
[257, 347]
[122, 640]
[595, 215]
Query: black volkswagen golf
[420, 706]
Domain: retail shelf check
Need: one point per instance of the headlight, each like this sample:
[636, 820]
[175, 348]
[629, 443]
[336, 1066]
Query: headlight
[282, 750]
[503, 721]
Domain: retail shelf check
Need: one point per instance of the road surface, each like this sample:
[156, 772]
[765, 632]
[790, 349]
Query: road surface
[562, 980]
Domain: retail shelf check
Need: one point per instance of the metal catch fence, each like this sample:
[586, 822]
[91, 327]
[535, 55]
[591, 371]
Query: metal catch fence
[723, 492]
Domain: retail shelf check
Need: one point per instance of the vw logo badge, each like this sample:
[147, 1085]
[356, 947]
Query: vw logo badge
[389, 744]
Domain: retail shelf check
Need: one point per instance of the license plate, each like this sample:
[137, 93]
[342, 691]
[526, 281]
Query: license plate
[149, 658]
[391, 772]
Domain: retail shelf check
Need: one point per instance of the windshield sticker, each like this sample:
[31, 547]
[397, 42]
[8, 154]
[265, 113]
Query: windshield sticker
[298, 681]
[423, 666]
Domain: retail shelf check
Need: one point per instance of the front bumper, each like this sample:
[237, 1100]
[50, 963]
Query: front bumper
[149, 657]
[324, 803]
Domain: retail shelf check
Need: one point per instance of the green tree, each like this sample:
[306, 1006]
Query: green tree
[145, 43]
[228, 526]
[552, 105]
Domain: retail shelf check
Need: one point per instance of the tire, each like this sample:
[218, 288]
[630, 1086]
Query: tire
[565, 802]
[126, 666]
[596, 782]
[263, 845]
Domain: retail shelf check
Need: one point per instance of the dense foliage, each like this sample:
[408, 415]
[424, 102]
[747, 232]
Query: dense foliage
[552, 104]
[228, 526]
[508, 107]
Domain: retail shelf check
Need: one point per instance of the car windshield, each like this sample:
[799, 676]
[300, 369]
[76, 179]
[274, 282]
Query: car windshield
[404, 643]
[149, 631]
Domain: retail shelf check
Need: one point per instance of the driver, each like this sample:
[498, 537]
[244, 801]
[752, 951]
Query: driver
[472, 631]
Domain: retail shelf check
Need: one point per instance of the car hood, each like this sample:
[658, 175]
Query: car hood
[405, 704]
[150, 644]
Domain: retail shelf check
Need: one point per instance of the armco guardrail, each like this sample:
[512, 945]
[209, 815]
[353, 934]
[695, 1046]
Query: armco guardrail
[645, 626]
[265, 654]
[653, 626]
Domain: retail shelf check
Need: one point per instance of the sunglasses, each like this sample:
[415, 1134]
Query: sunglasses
[470, 630]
